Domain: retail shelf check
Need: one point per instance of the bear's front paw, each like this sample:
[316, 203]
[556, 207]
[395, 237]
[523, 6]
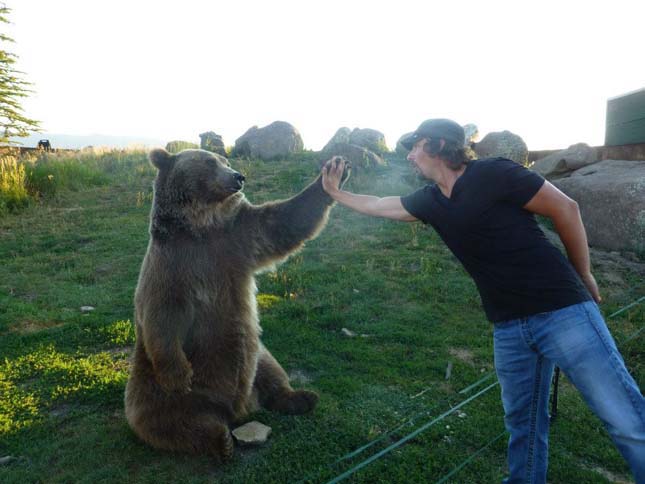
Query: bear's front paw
[177, 380]
[339, 161]
[346, 173]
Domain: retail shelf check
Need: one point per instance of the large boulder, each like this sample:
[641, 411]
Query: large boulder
[368, 138]
[611, 195]
[400, 149]
[341, 136]
[565, 161]
[504, 144]
[359, 157]
[213, 142]
[278, 139]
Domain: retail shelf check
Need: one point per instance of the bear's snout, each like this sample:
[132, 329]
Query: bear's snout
[238, 181]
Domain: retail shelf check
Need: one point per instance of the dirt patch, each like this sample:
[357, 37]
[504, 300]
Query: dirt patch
[61, 410]
[610, 476]
[462, 354]
[28, 326]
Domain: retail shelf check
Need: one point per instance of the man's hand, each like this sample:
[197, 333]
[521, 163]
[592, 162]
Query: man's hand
[590, 281]
[334, 174]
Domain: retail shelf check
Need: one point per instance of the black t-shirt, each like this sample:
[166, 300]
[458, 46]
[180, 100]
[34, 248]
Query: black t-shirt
[517, 270]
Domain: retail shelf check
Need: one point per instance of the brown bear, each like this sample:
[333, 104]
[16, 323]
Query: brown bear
[199, 364]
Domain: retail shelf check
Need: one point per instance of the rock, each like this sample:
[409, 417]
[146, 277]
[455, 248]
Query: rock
[279, 139]
[213, 142]
[611, 196]
[7, 459]
[87, 309]
[252, 433]
[358, 156]
[613, 270]
[341, 136]
[347, 332]
[574, 157]
[369, 139]
[504, 144]
[400, 149]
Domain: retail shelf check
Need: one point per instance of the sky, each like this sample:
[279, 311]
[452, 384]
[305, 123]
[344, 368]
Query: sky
[173, 69]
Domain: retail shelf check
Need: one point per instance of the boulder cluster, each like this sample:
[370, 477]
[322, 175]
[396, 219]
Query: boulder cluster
[609, 191]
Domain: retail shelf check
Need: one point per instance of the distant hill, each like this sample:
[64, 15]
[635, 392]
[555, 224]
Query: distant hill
[73, 142]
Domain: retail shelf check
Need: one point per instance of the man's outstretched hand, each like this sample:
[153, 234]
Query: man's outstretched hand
[335, 173]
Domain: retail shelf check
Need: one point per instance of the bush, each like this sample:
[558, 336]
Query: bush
[13, 191]
[177, 146]
[47, 177]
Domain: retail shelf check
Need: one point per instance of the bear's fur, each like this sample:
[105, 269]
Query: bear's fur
[199, 364]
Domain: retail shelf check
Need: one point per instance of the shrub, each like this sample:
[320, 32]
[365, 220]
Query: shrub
[13, 191]
[48, 176]
[176, 146]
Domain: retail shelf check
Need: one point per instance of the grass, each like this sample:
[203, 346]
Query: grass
[13, 190]
[413, 308]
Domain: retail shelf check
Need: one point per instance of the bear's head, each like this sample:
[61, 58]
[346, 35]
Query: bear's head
[196, 175]
[193, 189]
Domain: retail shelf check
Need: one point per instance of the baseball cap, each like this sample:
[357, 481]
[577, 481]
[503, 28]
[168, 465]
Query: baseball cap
[436, 128]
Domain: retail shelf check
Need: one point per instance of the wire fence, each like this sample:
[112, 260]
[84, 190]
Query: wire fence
[410, 421]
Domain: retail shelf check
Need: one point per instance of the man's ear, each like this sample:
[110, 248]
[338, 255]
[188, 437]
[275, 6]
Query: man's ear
[161, 158]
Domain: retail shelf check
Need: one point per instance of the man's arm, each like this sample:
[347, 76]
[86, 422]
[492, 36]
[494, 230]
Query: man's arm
[387, 207]
[565, 214]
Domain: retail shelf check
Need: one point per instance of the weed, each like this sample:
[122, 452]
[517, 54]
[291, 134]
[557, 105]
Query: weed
[13, 192]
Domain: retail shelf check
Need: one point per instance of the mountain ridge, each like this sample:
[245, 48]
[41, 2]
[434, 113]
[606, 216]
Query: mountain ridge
[71, 141]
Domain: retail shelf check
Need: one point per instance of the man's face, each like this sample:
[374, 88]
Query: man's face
[418, 158]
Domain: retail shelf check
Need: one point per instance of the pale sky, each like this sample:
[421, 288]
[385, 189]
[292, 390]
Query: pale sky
[171, 70]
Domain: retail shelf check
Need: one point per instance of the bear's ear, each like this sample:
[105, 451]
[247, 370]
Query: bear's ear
[161, 158]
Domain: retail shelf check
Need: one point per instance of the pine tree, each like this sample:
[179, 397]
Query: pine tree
[13, 123]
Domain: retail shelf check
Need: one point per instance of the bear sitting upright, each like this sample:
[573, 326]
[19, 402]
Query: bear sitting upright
[198, 364]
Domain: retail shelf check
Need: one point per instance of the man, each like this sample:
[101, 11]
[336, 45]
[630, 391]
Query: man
[543, 306]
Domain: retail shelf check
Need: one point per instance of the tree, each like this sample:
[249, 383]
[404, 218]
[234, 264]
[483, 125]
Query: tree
[13, 123]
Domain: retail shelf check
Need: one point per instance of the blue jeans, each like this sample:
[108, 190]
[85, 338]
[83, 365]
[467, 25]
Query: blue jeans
[577, 340]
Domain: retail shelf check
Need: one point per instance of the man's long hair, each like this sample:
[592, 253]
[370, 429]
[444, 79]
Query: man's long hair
[452, 154]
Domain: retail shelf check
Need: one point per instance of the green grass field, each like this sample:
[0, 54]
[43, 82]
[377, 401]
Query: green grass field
[413, 308]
